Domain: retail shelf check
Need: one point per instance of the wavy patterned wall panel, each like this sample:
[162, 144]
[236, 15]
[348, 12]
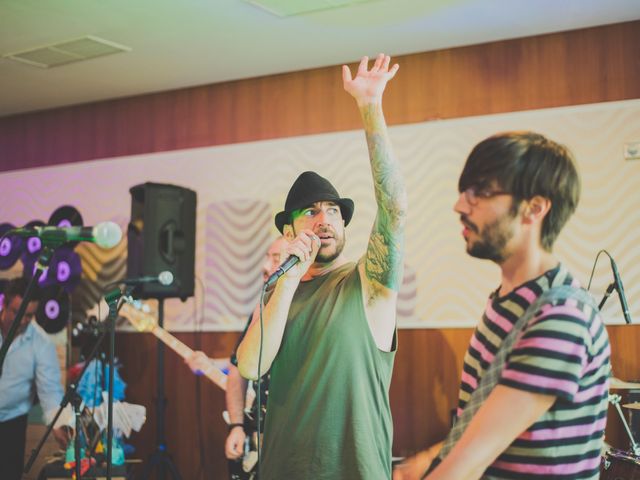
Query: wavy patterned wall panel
[241, 186]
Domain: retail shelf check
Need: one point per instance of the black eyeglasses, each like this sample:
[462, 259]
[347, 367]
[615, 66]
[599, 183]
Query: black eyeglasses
[474, 194]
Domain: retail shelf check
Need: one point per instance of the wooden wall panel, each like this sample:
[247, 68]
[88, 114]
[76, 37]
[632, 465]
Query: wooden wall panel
[570, 68]
[625, 363]
[424, 390]
[194, 429]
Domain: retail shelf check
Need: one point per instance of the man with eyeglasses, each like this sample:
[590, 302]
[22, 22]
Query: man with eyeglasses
[31, 366]
[533, 394]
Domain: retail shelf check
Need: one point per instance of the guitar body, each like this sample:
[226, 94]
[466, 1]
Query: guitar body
[236, 471]
[246, 468]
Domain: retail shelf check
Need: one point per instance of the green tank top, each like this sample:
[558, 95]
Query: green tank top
[328, 414]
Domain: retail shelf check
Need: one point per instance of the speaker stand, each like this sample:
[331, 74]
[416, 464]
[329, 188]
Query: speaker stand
[160, 458]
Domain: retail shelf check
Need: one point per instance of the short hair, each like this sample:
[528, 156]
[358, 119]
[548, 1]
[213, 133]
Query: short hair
[526, 164]
[17, 287]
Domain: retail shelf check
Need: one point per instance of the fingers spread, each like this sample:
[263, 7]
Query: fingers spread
[378, 63]
[362, 68]
[346, 74]
[385, 63]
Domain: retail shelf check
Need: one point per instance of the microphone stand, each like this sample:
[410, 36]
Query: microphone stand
[71, 396]
[614, 399]
[41, 265]
[112, 300]
[160, 457]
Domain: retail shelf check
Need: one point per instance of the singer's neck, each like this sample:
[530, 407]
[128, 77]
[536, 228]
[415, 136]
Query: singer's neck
[318, 269]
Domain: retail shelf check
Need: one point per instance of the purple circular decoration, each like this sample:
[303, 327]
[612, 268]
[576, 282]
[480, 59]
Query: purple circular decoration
[52, 309]
[63, 272]
[34, 244]
[10, 246]
[65, 269]
[64, 223]
[5, 247]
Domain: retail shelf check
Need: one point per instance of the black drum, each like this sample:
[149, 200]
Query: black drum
[619, 465]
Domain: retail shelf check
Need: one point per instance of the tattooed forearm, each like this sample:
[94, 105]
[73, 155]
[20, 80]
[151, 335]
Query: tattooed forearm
[387, 178]
[383, 261]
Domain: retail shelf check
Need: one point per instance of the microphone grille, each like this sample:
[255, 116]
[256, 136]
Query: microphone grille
[107, 234]
[165, 278]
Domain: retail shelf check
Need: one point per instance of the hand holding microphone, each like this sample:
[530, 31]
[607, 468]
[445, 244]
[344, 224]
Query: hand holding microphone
[302, 252]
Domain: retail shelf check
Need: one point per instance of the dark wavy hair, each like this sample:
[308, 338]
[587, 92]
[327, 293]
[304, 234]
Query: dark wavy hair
[526, 164]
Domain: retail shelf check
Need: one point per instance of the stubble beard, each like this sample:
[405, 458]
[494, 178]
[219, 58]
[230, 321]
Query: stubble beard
[492, 241]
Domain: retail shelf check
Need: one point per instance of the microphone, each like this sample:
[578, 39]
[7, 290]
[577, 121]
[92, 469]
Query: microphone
[105, 234]
[620, 289]
[163, 278]
[286, 266]
[607, 293]
[282, 269]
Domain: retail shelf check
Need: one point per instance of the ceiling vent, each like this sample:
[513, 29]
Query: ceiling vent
[69, 51]
[289, 8]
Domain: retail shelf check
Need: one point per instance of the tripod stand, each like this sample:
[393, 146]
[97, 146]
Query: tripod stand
[160, 458]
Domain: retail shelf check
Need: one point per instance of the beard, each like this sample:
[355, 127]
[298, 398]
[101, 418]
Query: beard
[493, 239]
[328, 254]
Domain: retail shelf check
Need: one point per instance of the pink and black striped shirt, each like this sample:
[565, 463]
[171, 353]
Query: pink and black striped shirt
[564, 351]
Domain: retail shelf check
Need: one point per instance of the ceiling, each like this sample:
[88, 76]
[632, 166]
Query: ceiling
[181, 43]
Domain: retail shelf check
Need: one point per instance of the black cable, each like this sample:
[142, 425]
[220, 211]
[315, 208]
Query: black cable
[259, 382]
[594, 266]
[198, 406]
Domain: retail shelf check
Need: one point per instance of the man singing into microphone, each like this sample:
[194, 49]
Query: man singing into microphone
[329, 324]
[31, 366]
[533, 395]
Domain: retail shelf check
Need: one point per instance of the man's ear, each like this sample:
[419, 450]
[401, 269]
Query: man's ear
[287, 233]
[536, 209]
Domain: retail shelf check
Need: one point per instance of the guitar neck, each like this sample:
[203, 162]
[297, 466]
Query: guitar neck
[213, 373]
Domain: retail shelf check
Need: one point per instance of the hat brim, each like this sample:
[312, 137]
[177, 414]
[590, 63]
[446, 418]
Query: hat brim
[346, 208]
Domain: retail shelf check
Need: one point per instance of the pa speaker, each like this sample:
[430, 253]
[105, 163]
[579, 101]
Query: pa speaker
[162, 237]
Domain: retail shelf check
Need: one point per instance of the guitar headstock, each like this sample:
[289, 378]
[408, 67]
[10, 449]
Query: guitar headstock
[140, 314]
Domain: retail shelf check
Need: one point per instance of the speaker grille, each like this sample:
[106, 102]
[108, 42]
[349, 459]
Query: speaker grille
[161, 237]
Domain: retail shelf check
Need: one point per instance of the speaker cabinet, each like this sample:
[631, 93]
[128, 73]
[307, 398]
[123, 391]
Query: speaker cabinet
[161, 237]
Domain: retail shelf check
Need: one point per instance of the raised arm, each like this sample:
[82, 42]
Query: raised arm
[381, 267]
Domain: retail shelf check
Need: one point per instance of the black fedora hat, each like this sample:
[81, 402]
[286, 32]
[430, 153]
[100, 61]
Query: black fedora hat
[309, 188]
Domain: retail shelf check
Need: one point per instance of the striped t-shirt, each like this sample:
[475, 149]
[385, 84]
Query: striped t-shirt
[564, 351]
